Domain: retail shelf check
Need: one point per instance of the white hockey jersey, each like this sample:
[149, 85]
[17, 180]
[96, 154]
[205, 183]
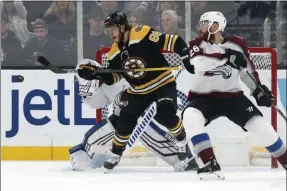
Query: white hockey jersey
[212, 76]
[104, 95]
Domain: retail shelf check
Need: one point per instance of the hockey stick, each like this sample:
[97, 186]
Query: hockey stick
[273, 104]
[137, 132]
[42, 60]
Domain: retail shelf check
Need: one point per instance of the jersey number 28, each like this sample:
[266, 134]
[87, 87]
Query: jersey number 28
[194, 50]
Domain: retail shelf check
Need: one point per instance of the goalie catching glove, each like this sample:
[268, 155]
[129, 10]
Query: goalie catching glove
[87, 70]
[263, 96]
[235, 59]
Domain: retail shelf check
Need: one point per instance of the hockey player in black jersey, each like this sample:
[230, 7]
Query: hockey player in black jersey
[141, 47]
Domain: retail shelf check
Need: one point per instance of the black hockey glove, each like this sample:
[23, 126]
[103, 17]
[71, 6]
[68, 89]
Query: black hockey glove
[235, 59]
[88, 72]
[263, 96]
[185, 57]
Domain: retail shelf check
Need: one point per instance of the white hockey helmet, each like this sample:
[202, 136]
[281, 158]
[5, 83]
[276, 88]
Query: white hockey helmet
[86, 87]
[213, 17]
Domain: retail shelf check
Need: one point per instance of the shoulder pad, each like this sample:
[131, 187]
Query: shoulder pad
[138, 33]
[113, 51]
[237, 40]
[195, 42]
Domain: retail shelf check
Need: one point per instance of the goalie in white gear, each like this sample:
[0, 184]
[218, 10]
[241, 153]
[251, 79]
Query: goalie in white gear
[219, 61]
[100, 136]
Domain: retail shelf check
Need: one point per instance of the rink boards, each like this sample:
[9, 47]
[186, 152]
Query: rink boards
[42, 117]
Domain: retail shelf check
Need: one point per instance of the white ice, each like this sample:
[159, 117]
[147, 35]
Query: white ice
[54, 176]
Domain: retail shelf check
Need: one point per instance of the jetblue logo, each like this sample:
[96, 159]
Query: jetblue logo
[60, 93]
[224, 71]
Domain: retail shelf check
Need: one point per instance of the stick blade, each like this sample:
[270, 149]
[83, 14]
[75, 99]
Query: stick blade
[42, 60]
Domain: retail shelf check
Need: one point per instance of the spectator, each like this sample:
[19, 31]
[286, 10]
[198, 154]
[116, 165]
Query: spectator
[95, 38]
[61, 18]
[134, 19]
[161, 7]
[36, 9]
[137, 6]
[17, 17]
[109, 7]
[170, 21]
[11, 50]
[44, 45]
[256, 11]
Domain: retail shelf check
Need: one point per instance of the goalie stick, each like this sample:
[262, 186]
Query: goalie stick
[42, 60]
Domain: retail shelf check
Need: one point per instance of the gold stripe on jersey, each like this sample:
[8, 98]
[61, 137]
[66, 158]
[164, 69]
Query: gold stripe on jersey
[152, 85]
[173, 43]
[113, 51]
[138, 33]
[165, 41]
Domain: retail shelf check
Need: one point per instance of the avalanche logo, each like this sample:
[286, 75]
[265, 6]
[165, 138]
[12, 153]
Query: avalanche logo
[225, 71]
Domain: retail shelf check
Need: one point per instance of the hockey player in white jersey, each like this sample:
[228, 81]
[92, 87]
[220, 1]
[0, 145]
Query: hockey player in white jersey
[158, 141]
[219, 61]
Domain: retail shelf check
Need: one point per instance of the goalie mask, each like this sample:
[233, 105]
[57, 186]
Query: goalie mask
[86, 87]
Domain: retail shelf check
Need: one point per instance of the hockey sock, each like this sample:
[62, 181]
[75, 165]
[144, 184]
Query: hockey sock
[202, 147]
[178, 131]
[267, 137]
[193, 121]
[119, 143]
[278, 151]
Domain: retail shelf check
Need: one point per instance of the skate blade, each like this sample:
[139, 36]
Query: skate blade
[217, 175]
[108, 171]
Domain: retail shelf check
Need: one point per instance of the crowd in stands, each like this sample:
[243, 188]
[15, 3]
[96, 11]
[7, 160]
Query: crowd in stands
[49, 28]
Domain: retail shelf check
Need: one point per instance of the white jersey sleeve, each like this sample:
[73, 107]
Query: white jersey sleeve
[104, 95]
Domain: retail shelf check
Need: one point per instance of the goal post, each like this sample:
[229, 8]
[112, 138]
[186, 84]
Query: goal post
[265, 62]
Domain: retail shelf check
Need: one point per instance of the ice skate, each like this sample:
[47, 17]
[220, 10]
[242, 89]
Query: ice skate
[110, 164]
[210, 171]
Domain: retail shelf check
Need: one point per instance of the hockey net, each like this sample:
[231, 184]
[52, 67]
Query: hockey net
[232, 146]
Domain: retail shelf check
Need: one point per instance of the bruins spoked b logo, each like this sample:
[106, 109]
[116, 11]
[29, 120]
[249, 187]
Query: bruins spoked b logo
[132, 63]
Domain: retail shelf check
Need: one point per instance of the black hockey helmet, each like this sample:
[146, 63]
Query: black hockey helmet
[116, 18]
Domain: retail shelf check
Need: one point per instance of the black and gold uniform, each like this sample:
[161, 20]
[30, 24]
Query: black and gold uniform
[143, 50]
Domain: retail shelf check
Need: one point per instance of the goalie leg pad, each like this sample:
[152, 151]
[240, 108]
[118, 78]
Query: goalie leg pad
[80, 159]
[162, 144]
[93, 150]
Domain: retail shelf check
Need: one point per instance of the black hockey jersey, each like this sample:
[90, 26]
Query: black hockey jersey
[143, 50]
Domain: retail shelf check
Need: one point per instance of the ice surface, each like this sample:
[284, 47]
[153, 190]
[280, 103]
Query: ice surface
[54, 176]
